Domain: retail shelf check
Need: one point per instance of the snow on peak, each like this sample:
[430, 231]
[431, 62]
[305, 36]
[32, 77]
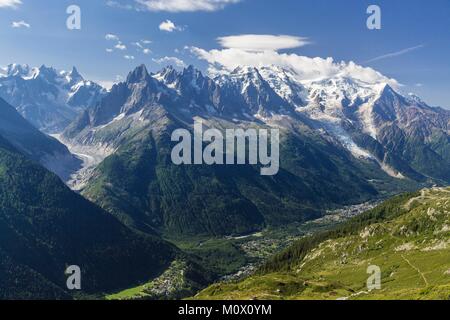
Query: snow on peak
[415, 99]
[242, 77]
[73, 77]
[168, 75]
[285, 84]
[14, 70]
[48, 73]
[44, 93]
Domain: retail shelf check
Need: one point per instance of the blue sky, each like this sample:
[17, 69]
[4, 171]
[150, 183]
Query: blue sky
[413, 45]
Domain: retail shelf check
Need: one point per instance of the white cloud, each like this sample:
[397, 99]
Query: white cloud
[128, 57]
[396, 54]
[10, 3]
[110, 36]
[120, 46]
[20, 24]
[107, 84]
[171, 60]
[185, 5]
[141, 46]
[264, 42]
[258, 51]
[169, 26]
[305, 68]
[117, 4]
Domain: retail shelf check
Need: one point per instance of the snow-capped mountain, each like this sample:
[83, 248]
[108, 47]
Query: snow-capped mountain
[254, 93]
[48, 98]
[372, 121]
[284, 83]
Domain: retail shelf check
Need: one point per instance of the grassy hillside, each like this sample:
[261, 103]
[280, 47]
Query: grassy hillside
[408, 237]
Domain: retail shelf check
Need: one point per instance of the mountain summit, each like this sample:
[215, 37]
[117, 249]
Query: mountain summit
[139, 74]
[48, 98]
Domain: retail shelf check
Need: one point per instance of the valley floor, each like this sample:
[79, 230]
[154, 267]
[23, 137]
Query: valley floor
[233, 258]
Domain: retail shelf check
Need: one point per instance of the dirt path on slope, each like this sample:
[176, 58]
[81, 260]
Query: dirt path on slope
[417, 269]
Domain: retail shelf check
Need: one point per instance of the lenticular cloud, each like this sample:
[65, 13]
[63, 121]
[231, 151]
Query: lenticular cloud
[185, 5]
[254, 42]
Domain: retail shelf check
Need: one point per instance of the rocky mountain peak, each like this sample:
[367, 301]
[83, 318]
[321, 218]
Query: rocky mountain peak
[50, 99]
[75, 76]
[167, 75]
[191, 71]
[47, 73]
[138, 75]
[387, 90]
[17, 69]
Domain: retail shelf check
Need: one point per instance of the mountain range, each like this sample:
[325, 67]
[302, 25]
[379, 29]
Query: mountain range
[343, 141]
[48, 98]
